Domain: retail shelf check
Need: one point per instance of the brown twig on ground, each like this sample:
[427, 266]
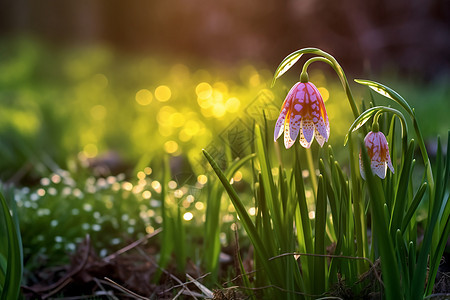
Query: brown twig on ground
[132, 245]
[125, 290]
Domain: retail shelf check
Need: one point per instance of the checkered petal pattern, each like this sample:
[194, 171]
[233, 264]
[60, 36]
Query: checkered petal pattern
[303, 114]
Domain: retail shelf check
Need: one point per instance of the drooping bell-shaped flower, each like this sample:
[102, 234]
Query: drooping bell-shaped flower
[303, 112]
[378, 150]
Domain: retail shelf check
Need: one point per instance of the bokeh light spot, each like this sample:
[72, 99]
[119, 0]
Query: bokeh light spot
[144, 97]
[202, 179]
[171, 146]
[172, 184]
[146, 194]
[203, 90]
[90, 150]
[177, 119]
[188, 216]
[237, 176]
[163, 93]
[141, 175]
[219, 110]
[252, 211]
[324, 92]
[41, 192]
[148, 170]
[199, 205]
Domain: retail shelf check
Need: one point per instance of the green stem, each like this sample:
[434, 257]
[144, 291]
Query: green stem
[338, 69]
[312, 170]
[329, 59]
[314, 59]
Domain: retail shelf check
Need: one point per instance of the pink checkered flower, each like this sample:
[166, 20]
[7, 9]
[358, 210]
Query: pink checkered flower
[303, 112]
[377, 148]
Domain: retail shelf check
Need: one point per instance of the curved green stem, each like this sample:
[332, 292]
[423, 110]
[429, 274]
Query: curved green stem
[314, 59]
[378, 110]
[330, 60]
[292, 58]
[338, 69]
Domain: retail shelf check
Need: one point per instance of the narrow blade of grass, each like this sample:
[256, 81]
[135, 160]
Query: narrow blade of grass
[14, 266]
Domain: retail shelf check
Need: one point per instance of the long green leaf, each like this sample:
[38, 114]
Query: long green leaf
[413, 207]
[14, 267]
[402, 256]
[249, 227]
[212, 227]
[402, 192]
[387, 92]
[272, 200]
[319, 239]
[441, 231]
[389, 265]
[289, 61]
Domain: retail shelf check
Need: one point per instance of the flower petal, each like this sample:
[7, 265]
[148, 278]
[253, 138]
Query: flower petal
[303, 140]
[294, 125]
[288, 142]
[319, 138]
[389, 164]
[308, 129]
[279, 125]
[378, 168]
